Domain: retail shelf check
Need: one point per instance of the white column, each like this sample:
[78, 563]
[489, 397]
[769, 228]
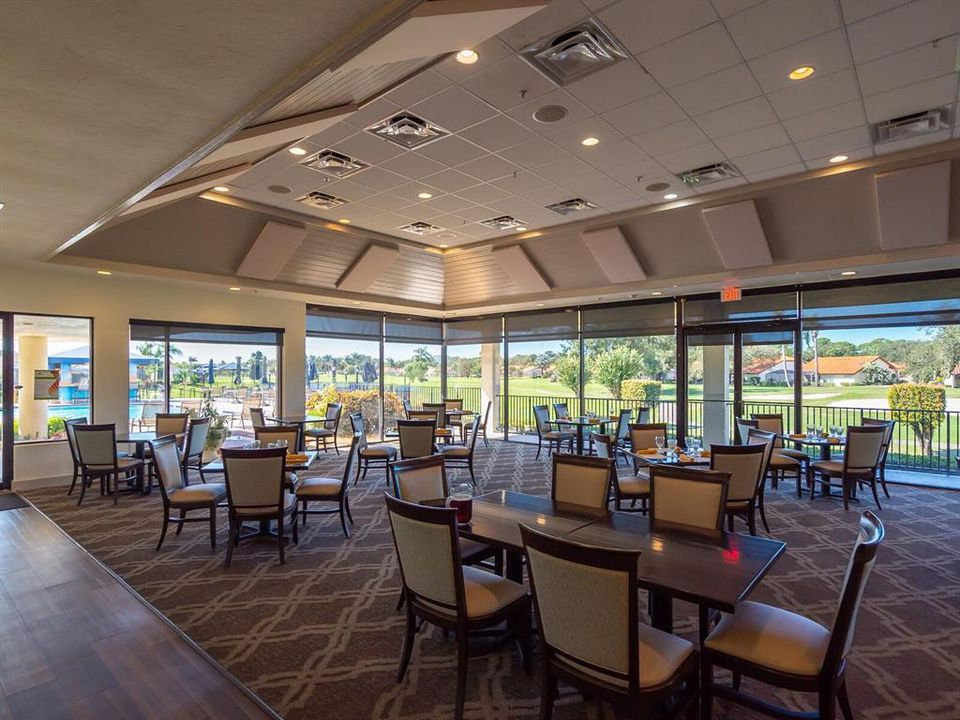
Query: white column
[490, 369]
[717, 360]
[33, 413]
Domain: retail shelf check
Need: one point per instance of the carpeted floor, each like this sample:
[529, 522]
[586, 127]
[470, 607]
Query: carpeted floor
[320, 635]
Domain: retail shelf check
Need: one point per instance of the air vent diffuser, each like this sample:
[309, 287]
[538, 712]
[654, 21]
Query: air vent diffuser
[335, 164]
[320, 201]
[909, 126]
[709, 174]
[419, 228]
[503, 222]
[407, 130]
[571, 206]
[575, 53]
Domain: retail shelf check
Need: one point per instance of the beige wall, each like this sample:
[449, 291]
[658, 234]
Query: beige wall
[112, 302]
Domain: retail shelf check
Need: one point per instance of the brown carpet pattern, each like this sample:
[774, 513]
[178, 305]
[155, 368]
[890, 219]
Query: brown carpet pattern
[320, 636]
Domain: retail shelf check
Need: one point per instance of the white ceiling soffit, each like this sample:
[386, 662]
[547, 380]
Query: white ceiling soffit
[517, 264]
[187, 188]
[613, 254]
[438, 27]
[369, 266]
[274, 246]
[738, 235]
[914, 206]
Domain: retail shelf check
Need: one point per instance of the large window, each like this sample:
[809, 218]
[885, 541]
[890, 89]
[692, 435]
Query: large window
[411, 365]
[474, 370]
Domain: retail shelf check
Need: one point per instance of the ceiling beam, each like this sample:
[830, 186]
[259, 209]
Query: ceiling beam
[180, 190]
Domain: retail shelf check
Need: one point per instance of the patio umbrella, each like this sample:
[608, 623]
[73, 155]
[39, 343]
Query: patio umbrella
[312, 370]
[210, 372]
[238, 378]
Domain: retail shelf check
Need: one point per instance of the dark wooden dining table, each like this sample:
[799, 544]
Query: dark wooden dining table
[300, 421]
[139, 441]
[678, 460]
[580, 423]
[825, 445]
[713, 569]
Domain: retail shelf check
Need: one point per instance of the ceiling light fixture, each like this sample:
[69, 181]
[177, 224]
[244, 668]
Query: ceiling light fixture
[233, 289]
[540, 304]
[221, 189]
[802, 72]
[521, 229]
[104, 272]
[444, 245]
[590, 141]
[344, 221]
[424, 195]
[296, 150]
[838, 159]
[847, 273]
[1, 205]
[467, 57]
[670, 196]
[657, 292]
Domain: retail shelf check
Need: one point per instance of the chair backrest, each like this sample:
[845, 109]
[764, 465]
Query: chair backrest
[473, 430]
[172, 423]
[889, 424]
[150, 410]
[439, 411]
[254, 478]
[623, 424]
[643, 415]
[196, 437]
[605, 445]
[586, 604]
[96, 444]
[760, 437]
[166, 458]
[486, 415]
[418, 479]
[429, 554]
[356, 424]
[257, 418]
[542, 415]
[582, 480]
[688, 497]
[643, 435]
[189, 405]
[864, 446]
[71, 439]
[271, 433]
[454, 403]
[869, 538]
[407, 407]
[744, 427]
[332, 416]
[560, 410]
[248, 403]
[746, 465]
[770, 422]
[350, 466]
[423, 415]
[416, 437]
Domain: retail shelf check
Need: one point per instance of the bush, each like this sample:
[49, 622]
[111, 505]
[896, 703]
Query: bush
[876, 375]
[363, 401]
[647, 391]
[56, 426]
[921, 407]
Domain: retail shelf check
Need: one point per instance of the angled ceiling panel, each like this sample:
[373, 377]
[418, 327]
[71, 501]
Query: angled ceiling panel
[270, 252]
[613, 254]
[474, 276]
[374, 260]
[738, 235]
[914, 206]
[516, 263]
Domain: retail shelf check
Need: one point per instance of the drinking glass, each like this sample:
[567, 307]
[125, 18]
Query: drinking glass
[659, 440]
[461, 498]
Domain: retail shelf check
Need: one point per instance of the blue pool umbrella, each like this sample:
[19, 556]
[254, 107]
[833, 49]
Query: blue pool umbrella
[210, 372]
[312, 370]
[238, 378]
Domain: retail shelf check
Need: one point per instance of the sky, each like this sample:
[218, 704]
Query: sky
[891, 333]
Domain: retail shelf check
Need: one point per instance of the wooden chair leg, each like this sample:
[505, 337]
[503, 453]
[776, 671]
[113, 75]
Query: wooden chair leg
[462, 658]
[346, 504]
[873, 487]
[183, 514]
[844, 700]
[231, 541]
[706, 690]
[343, 519]
[213, 527]
[883, 480]
[280, 538]
[163, 530]
[407, 641]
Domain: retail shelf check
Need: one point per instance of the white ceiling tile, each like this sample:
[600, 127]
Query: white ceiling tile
[767, 160]
[737, 118]
[412, 165]
[726, 8]
[450, 180]
[670, 137]
[910, 66]
[717, 186]
[674, 187]
[508, 83]
[641, 115]
[569, 136]
[814, 94]
[497, 133]
[520, 208]
[521, 183]
[555, 16]
[691, 157]
[576, 111]
[418, 88]
[379, 179]
[475, 213]
[835, 143]
[453, 109]
[908, 143]
[349, 190]
[609, 154]
[824, 122]
[301, 179]
[488, 168]
[903, 27]
[332, 135]
[614, 196]
[389, 222]
[644, 24]
[372, 113]
[565, 168]
[489, 51]
[627, 173]
[854, 10]
[477, 232]
[482, 193]
[452, 151]
[614, 87]
[691, 56]
[852, 155]
[411, 190]
[775, 24]
[912, 98]
[720, 89]
[583, 183]
[828, 53]
[776, 172]
[448, 221]
[532, 153]
[548, 195]
[752, 141]
[368, 148]
[386, 202]
[447, 204]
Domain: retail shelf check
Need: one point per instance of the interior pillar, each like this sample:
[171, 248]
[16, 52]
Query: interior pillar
[33, 413]
[717, 361]
[490, 367]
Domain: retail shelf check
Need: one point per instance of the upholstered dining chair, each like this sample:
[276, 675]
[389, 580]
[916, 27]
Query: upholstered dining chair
[97, 453]
[744, 426]
[561, 410]
[327, 433]
[581, 480]
[643, 436]
[622, 433]
[887, 439]
[416, 437]
[688, 498]
[193, 446]
[407, 409]
[461, 456]
[625, 487]
[455, 423]
[860, 462]
[553, 437]
[257, 417]
[591, 634]
[780, 648]
[273, 433]
[774, 463]
[483, 423]
[180, 497]
[172, 424]
[72, 446]
[773, 423]
[746, 465]
[440, 590]
[330, 490]
[256, 492]
[370, 456]
[444, 431]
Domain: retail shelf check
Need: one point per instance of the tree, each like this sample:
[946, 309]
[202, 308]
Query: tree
[415, 371]
[811, 338]
[878, 375]
[611, 368]
[566, 371]
[921, 407]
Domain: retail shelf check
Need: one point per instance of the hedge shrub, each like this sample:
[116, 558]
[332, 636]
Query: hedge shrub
[921, 407]
[647, 391]
[364, 401]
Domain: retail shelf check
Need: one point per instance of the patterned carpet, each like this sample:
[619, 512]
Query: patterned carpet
[320, 635]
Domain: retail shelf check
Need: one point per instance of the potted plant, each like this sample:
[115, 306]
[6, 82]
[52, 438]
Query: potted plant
[217, 431]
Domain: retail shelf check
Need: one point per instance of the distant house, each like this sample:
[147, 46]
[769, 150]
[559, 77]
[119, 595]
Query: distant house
[848, 369]
[532, 371]
[770, 371]
[953, 377]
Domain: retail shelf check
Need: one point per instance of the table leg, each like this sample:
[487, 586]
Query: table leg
[661, 611]
[579, 439]
[825, 455]
[515, 566]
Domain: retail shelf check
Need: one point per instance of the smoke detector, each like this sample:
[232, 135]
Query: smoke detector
[503, 222]
[335, 164]
[909, 126]
[709, 174]
[419, 228]
[321, 201]
[573, 205]
[407, 130]
[575, 52]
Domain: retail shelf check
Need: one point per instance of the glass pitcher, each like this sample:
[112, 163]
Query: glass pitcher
[461, 499]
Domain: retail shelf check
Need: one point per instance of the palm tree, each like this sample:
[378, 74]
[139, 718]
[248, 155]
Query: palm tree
[811, 338]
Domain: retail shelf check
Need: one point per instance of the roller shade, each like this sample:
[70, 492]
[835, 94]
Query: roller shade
[343, 324]
[413, 330]
[628, 320]
[903, 304]
[767, 306]
[148, 330]
[473, 331]
[553, 325]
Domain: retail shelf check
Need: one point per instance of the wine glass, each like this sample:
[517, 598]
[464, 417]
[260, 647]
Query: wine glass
[659, 440]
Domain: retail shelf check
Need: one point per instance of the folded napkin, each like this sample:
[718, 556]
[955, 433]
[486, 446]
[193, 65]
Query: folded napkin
[685, 458]
[833, 441]
[648, 451]
[705, 453]
[443, 431]
[296, 457]
[798, 436]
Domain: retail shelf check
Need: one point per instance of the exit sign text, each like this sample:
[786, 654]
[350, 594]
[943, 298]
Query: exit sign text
[730, 294]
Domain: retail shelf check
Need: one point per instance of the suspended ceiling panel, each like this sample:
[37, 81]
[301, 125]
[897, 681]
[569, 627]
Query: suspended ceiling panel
[914, 206]
[474, 276]
[738, 235]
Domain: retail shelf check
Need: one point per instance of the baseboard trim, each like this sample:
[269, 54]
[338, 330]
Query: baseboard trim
[40, 483]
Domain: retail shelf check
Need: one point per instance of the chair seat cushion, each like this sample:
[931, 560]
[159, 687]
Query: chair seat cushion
[795, 454]
[318, 432]
[634, 485]
[471, 550]
[835, 467]
[558, 435]
[771, 637]
[379, 451]
[289, 502]
[319, 487]
[782, 462]
[738, 504]
[661, 655]
[455, 451]
[123, 463]
[487, 593]
[201, 494]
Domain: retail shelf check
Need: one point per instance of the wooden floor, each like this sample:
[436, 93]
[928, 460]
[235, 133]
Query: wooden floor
[76, 643]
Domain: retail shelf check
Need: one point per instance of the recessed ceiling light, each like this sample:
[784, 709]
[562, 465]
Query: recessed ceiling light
[356, 302]
[657, 292]
[802, 72]
[297, 151]
[233, 289]
[444, 245]
[221, 189]
[540, 304]
[838, 159]
[1, 206]
[849, 272]
[343, 221]
[467, 57]
[104, 272]
[424, 195]
[521, 229]
[590, 141]
[670, 196]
